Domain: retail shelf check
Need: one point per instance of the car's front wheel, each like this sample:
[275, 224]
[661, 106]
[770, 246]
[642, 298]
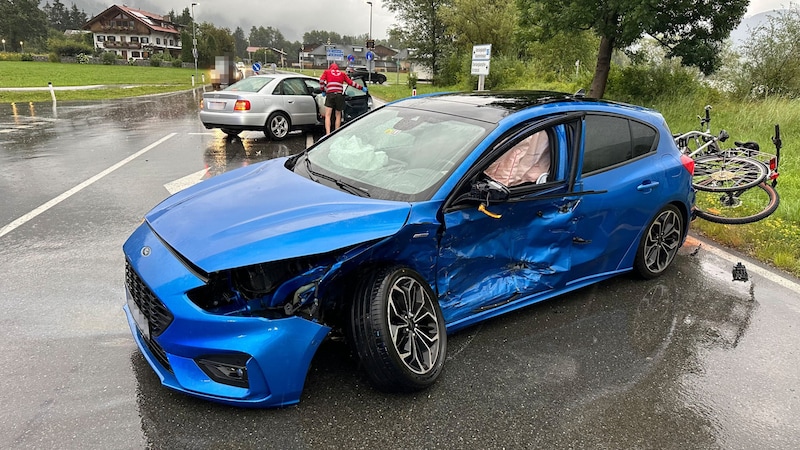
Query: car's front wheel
[660, 243]
[398, 331]
[278, 126]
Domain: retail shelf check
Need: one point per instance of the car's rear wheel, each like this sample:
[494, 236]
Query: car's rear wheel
[231, 133]
[278, 126]
[398, 330]
[660, 243]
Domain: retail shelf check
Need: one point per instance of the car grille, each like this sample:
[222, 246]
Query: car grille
[157, 314]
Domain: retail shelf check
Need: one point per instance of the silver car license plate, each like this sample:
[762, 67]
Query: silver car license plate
[216, 106]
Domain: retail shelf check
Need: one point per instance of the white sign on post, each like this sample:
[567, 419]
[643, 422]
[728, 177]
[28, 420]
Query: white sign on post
[481, 55]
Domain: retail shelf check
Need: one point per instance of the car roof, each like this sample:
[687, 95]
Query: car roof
[280, 76]
[493, 106]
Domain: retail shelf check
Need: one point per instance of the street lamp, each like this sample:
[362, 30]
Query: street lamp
[21, 48]
[4, 45]
[370, 19]
[194, 42]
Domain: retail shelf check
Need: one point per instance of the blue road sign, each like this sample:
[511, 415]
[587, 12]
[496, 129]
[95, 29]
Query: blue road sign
[370, 56]
[256, 67]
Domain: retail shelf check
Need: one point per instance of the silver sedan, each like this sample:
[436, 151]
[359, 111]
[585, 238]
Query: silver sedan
[275, 104]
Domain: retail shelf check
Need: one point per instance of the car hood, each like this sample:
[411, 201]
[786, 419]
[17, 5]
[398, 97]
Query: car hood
[264, 213]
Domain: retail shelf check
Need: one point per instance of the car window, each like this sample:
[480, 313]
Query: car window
[252, 84]
[614, 140]
[350, 91]
[292, 86]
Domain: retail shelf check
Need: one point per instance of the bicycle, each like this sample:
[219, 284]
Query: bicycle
[732, 183]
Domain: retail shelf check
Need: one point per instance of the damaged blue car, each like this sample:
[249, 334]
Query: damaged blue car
[418, 219]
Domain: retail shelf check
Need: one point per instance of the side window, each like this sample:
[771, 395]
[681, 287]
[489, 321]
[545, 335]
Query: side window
[614, 140]
[607, 142]
[643, 138]
[527, 161]
[294, 86]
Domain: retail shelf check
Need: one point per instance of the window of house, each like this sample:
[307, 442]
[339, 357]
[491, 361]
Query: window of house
[171, 42]
[145, 40]
[614, 140]
[111, 38]
[158, 41]
[100, 38]
[136, 54]
[134, 38]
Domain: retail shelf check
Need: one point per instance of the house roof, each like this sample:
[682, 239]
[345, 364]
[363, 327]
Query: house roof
[152, 21]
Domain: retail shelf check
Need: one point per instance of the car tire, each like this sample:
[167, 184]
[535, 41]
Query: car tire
[278, 126]
[398, 331]
[381, 78]
[660, 242]
[231, 133]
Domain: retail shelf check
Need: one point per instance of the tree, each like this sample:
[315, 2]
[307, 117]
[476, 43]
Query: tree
[212, 42]
[691, 29]
[771, 57]
[22, 20]
[240, 42]
[424, 30]
[475, 22]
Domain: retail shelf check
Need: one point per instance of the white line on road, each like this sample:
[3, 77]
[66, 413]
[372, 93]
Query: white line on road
[24, 219]
[185, 182]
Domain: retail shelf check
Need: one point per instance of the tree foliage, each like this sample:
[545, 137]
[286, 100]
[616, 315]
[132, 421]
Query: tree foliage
[690, 29]
[424, 29]
[770, 63]
[477, 22]
[22, 20]
[62, 18]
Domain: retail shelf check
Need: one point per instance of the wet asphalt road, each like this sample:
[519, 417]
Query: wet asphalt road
[689, 360]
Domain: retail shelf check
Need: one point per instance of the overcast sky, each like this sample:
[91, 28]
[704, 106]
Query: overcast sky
[295, 17]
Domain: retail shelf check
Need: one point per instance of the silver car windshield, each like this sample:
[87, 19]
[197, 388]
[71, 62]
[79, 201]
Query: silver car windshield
[252, 84]
[404, 153]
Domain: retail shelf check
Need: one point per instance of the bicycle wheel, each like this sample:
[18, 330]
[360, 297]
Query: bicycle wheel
[721, 173]
[736, 208]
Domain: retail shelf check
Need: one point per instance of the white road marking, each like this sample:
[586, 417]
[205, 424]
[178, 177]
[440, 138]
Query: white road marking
[27, 217]
[771, 276]
[183, 183]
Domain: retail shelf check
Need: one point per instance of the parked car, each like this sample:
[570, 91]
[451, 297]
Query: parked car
[363, 73]
[420, 218]
[275, 104]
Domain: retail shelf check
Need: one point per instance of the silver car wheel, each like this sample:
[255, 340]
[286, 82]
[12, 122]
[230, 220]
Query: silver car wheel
[413, 325]
[278, 126]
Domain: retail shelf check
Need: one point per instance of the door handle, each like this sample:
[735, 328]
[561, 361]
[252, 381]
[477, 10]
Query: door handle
[647, 186]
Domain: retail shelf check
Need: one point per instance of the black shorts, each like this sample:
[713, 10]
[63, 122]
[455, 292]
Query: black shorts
[335, 101]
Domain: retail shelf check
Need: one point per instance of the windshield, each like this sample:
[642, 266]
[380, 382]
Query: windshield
[252, 84]
[396, 153]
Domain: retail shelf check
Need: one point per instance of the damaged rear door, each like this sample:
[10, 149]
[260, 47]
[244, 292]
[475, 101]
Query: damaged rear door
[495, 252]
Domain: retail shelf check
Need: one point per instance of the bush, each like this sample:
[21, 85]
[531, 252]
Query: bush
[68, 47]
[412, 80]
[83, 58]
[646, 82]
[54, 58]
[26, 57]
[108, 58]
[177, 63]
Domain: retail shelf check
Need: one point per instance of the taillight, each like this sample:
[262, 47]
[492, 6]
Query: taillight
[773, 164]
[201, 104]
[688, 164]
[242, 105]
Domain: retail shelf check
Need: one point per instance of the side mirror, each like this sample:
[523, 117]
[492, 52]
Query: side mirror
[488, 191]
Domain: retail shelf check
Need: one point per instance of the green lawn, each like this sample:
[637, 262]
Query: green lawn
[121, 81]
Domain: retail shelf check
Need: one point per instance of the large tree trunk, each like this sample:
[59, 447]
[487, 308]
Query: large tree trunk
[600, 79]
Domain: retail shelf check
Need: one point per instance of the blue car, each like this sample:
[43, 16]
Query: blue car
[420, 218]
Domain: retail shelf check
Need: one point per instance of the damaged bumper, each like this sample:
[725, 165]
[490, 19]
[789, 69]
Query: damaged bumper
[237, 360]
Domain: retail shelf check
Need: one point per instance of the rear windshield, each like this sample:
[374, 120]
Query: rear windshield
[252, 84]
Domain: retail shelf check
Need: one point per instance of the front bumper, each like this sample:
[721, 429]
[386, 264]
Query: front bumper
[275, 354]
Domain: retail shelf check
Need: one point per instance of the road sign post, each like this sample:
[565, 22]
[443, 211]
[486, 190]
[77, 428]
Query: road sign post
[481, 56]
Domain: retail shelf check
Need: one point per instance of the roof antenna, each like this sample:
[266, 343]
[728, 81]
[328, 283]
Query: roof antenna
[581, 93]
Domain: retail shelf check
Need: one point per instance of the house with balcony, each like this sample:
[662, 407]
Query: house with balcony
[133, 33]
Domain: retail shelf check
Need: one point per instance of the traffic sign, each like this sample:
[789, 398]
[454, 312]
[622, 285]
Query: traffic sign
[370, 56]
[482, 52]
[351, 58]
[480, 67]
[335, 54]
[256, 67]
